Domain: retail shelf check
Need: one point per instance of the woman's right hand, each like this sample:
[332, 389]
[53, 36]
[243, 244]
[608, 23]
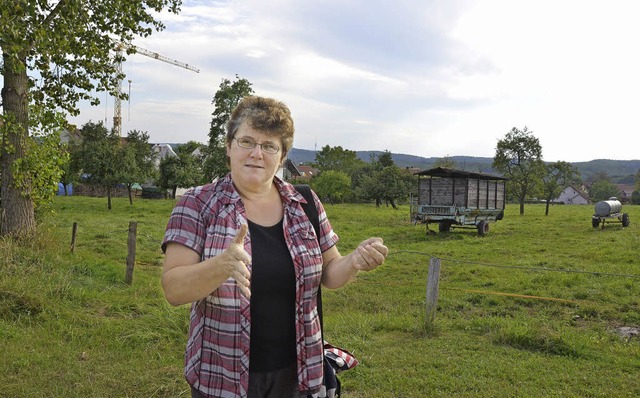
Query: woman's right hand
[234, 260]
[185, 278]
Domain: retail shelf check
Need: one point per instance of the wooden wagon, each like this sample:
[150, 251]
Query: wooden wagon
[458, 198]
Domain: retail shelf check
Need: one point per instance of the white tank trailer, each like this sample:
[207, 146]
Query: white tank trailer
[609, 211]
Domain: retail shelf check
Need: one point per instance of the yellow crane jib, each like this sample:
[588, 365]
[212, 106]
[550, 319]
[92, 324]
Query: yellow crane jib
[120, 47]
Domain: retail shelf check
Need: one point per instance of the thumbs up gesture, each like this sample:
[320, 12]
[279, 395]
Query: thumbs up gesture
[235, 260]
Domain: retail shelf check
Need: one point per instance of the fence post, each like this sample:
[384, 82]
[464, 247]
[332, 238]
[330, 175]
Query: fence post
[433, 280]
[131, 255]
[74, 232]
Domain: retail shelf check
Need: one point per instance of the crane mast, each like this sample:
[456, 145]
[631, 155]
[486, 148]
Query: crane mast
[120, 47]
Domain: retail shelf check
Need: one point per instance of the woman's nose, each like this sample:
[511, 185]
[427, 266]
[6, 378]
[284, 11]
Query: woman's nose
[256, 152]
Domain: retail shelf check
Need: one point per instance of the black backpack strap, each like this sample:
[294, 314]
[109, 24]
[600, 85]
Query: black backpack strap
[310, 207]
[311, 211]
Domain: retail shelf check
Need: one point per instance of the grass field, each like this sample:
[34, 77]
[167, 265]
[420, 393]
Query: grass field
[533, 309]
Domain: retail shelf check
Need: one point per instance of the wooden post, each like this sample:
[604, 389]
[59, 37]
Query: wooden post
[433, 280]
[74, 232]
[131, 255]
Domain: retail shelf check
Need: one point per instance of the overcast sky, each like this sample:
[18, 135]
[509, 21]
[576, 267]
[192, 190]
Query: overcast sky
[421, 77]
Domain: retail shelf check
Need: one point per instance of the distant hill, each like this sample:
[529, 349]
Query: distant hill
[620, 171]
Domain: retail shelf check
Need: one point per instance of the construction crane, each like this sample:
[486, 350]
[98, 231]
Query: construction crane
[120, 48]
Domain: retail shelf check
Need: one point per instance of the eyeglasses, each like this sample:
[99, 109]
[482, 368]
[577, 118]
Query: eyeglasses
[248, 143]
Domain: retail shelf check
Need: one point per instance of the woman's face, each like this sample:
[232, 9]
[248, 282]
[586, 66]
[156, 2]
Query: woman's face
[253, 168]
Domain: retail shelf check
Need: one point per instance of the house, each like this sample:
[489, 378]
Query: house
[66, 136]
[288, 170]
[625, 191]
[162, 151]
[307, 172]
[572, 196]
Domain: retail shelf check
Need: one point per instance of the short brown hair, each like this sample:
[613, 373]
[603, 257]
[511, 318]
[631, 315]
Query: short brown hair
[267, 115]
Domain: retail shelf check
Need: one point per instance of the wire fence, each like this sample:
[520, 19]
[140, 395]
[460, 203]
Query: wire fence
[433, 279]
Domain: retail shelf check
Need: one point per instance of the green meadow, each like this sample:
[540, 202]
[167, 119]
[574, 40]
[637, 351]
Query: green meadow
[542, 306]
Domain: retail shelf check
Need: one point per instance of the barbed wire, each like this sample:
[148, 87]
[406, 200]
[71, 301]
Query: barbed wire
[595, 273]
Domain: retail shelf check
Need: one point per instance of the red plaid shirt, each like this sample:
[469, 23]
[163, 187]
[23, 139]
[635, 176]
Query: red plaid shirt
[206, 219]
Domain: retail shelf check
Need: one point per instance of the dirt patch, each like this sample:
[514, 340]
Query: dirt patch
[628, 332]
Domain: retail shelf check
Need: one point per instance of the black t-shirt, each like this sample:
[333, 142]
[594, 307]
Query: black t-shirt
[273, 292]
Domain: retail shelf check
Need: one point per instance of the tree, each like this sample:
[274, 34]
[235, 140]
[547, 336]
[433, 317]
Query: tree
[183, 170]
[385, 181]
[385, 159]
[227, 97]
[556, 178]
[137, 161]
[445, 162]
[71, 169]
[337, 159]
[333, 185]
[54, 54]
[635, 195]
[40, 170]
[602, 188]
[388, 184]
[519, 158]
[101, 157]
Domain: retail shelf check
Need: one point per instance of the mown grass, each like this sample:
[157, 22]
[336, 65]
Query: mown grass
[529, 310]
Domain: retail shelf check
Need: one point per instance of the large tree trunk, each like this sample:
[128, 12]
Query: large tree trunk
[17, 215]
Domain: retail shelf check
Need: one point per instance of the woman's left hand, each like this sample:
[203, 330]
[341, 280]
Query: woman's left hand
[369, 254]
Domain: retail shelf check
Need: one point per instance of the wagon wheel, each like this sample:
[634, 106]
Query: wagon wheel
[483, 228]
[444, 226]
[429, 232]
[625, 220]
[595, 222]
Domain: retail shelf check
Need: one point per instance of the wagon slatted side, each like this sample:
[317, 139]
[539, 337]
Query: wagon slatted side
[456, 197]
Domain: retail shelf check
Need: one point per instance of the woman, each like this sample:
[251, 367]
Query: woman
[243, 251]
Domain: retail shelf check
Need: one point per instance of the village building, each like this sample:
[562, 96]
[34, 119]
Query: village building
[572, 196]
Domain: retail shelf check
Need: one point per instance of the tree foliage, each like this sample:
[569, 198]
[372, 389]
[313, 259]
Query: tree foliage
[445, 162]
[519, 158]
[338, 159]
[183, 170]
[138, 161]
[557, 177]
[227, 97]
[54, 54]
[602, 188]
[388, 185]
[635, 195]
[100, 157]
[332, 185]
[37, 173]
[386, 182]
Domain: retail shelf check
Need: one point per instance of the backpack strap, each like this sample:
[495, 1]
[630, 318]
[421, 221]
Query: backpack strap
[309, 208]
[311, 211]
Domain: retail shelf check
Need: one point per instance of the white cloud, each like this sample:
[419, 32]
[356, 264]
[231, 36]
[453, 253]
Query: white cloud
[420, 77]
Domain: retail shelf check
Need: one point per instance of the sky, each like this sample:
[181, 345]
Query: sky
[420, 77]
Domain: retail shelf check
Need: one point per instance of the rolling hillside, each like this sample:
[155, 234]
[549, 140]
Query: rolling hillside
[621, 171]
